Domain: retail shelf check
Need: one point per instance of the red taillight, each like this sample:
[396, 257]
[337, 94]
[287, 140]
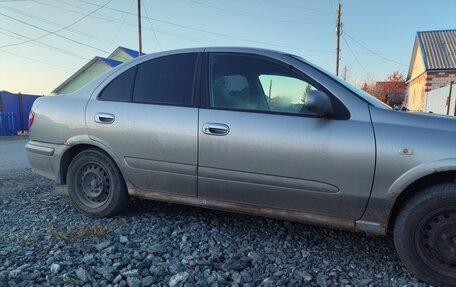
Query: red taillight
[31, 118]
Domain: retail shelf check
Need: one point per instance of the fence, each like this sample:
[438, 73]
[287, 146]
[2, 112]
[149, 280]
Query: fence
[441, 101]
[14, 110]
[8, 123]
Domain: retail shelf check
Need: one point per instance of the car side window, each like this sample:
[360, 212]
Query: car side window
[285, 94]
[119, 89]
[245, 82]
[166, 80]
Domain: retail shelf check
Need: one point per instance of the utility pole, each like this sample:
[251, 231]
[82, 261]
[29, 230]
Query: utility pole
[345, 72]
[139, 28]
[338, 30]
[449, 99]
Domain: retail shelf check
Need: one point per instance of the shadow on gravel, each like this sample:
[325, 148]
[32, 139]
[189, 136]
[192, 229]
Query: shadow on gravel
[45, 241]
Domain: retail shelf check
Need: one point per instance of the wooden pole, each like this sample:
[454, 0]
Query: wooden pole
[339, 7]
[139, 28]
[449, 98]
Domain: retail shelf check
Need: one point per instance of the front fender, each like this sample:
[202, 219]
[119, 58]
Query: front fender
[418, 172]
[378, 212]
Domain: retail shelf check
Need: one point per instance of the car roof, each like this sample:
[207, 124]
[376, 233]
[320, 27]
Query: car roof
[227, 49]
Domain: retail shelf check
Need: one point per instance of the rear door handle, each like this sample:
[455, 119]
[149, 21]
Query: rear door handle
[104, 118]
[215, 129]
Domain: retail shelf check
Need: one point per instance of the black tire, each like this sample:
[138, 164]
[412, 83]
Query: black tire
[425, 234]
[95, 184]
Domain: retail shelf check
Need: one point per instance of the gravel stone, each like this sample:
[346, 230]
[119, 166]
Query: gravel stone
[82, 274]
[55, 268]
[147, 281]
[246, 277]
[159, 244]
[306, 276]
[156, 249]
[117, 279]
[321, 280]
[236, 277]
[14, 273]
[106, 272]
[236, 264]
[133, 282]
[71, 280]
[102, 245]
[178, 279]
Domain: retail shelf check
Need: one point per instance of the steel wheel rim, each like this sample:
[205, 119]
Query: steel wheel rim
[436, 241]
[93, 184]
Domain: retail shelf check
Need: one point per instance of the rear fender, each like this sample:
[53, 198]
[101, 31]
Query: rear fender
[86, 140]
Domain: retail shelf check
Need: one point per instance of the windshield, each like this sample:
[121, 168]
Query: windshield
[365, 96]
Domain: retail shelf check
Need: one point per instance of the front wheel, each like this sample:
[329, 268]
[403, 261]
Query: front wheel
[425, 235]
[95, 184]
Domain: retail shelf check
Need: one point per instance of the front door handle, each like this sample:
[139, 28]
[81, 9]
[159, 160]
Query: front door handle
[215, 129]
[104, 118]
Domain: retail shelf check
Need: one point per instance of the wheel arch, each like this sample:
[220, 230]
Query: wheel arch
[75, 149]
[401, 198]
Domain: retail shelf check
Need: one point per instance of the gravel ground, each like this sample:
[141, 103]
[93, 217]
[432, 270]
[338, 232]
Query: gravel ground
[44, 241]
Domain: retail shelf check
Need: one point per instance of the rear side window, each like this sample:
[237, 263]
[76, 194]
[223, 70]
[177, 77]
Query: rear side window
[119, 89]
[166, 80]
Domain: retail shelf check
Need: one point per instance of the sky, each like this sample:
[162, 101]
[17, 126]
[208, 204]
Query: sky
[43, 42]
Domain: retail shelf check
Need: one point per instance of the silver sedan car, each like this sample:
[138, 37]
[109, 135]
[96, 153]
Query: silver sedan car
[259, 132]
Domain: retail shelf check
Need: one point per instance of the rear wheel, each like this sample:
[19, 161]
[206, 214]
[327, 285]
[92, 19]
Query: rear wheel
[425, 234]
[95, 184]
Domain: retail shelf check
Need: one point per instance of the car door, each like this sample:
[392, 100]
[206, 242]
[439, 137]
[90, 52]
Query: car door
[259, 145]
[146, 116]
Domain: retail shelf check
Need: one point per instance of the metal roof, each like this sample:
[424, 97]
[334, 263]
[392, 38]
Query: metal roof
[438, 48]
[130, 52]
[110, 62]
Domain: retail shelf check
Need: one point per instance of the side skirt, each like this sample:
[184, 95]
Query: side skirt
[291, 215]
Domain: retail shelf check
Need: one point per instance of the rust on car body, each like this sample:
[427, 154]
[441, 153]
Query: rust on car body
[291, 215]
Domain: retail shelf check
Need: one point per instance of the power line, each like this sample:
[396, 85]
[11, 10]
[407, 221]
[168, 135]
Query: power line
[158, 31]
[48, 21]
[209, 32]
[51, 32]
[177, 35]
[116, 20]
[36, 60]
[41, 44]
[64, 51]
[190, 38]
[121, 24]
[298, 7]
[152, 27]
[354, 56]
[333, 8]
[373, 52]
[101, 17]
[258, 17]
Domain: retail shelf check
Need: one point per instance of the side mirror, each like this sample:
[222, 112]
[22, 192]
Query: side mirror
[318, 102]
